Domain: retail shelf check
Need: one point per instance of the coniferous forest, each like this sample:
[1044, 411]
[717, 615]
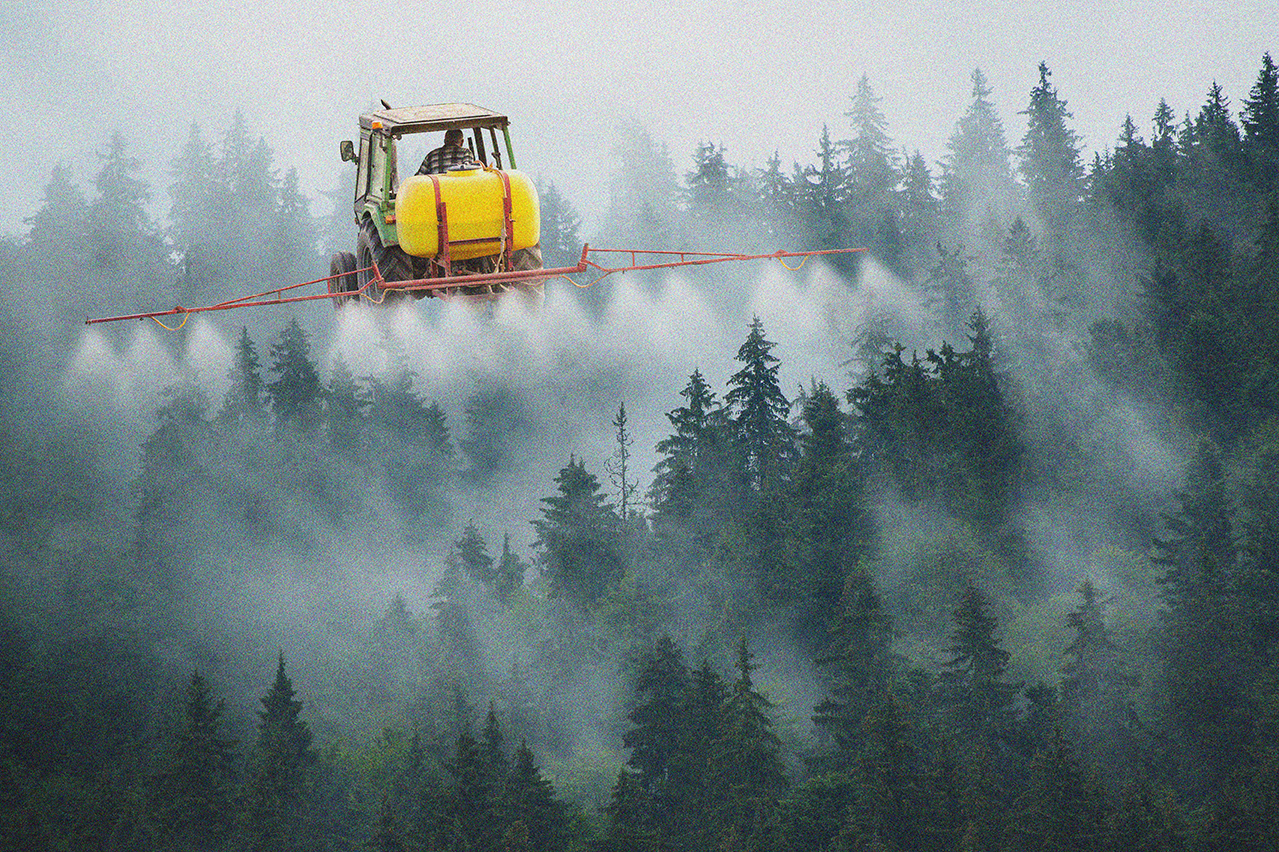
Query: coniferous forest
[1006, 578]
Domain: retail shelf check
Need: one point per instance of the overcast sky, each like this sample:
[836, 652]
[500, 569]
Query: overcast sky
[756, 76]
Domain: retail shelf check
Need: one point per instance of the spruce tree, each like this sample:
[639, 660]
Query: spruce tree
[674, 493]
[191, 796]
[979, 700]
[243, 400]
[276, 799]
[509, 573]
[628, 822]
[1260, 119]
[658, 725]
[577, 537]
[297, 393]
[1050, 159]
[532, 803]
[858, 665]
[344, 406]
[827, 525]
[470, 553]
[1060, 807]
[746, 770]
[871, 171]
[976, 181]
[760, 409]
[1096, 687]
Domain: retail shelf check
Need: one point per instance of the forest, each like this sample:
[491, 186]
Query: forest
[1005, 578]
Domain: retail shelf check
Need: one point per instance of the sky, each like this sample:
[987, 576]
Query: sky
[757, 77]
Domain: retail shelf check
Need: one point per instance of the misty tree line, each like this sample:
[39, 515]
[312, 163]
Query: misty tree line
[878, 529]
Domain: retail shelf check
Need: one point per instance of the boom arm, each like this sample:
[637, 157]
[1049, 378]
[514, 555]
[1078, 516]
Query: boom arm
[659, 259]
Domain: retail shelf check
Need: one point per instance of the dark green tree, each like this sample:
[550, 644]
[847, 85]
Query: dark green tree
[628, 822]
[976, 181]
[1060, 807]
[746, 769]
[470, 553]
[191, 794]
[1050, 159]
[858, 665]
[1260, 119]
[345, 402]
[577, 537]
[532, 802]
[1096, 687]
[296, 393]
[658, 724]
[827, 529]
[276, 813]
[760, 409]
[509, 573]
[244, 399]
[980, 702]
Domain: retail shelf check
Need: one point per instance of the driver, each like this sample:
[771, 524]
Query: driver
[451, 153]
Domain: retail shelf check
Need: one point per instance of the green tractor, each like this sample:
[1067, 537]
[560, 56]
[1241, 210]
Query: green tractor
[478, 218]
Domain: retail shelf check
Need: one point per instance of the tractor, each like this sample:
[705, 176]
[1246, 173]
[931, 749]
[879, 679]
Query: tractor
[478, 218]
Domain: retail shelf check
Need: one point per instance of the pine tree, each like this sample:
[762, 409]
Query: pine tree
[1096, 686]
[891, 805]
[709, 185]
[1260, 119]
[577, 537]
[297, 393]
[243, 400]
[673, 492]
[827, 527]
[658, 724]
[191, 796]
[618, 466]
[387, 835]
[473, 806]
[980, 701]
[746, 771]
[1060, 808]
[871, 170]
[760, 409]
[976, 182]
[344, 405]
[470, 553]
[628, 824]
[1050, 159]
[509, 574]
[561, 245]
[276, 797]
[858, 664]
[120, 230]
[532, 803]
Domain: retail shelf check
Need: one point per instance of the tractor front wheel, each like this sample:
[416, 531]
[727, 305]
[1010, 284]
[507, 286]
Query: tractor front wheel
[342, 278]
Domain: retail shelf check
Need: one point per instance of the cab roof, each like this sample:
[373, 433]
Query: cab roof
[420, 119]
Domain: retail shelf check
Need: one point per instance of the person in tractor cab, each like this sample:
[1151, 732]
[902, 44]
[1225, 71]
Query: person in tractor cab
[451, 153]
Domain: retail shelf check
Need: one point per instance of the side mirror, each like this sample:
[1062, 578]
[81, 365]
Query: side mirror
[347, 150]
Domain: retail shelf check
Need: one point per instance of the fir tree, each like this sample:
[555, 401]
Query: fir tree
[470, 553]
[760, 409]
[1095, 685]
[658, 724]
[191, 795]
[858, 664]
[618, 466]
[871, 172]
[980, 700]
[577, 537]
[509, 573]
[673, 492]
[628, 824]
[297, 393]
[344, 405]
[243, 400]
[533, 804]
[976, 182]
[746, 771]
[1060, 807]
[1260, 119]
[1050, 158]
[276, 798]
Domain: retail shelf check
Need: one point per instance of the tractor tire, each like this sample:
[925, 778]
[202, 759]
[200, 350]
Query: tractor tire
[343, 264]
[392, 263]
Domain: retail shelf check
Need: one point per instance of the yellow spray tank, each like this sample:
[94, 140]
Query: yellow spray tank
[474, 203]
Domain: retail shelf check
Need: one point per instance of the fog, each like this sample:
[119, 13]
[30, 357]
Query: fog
[569, 74]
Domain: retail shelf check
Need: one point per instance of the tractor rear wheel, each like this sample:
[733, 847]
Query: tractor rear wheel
[526, 259]
[343, 264]
[392, 263]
